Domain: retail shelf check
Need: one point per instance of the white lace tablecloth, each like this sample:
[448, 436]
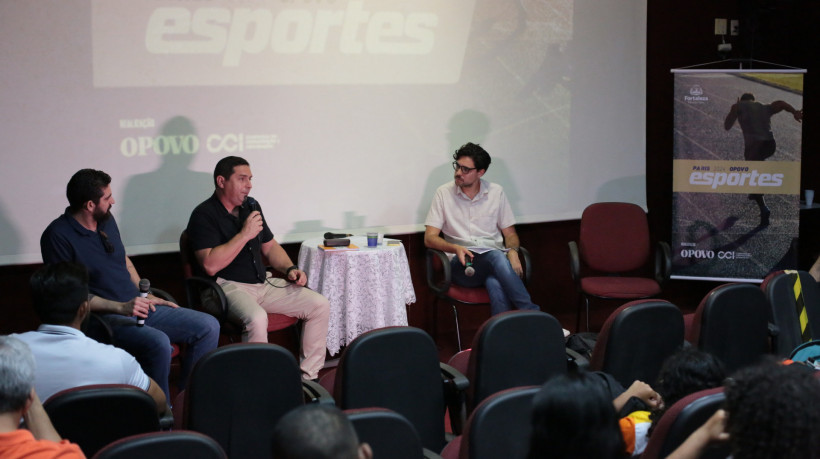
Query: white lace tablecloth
[367, 288]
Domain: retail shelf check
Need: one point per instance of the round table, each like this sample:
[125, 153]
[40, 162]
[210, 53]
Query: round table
[367, 288]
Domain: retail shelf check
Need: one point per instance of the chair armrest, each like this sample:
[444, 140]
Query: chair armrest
[575, 263]
[576, 360]
[429, 454]
[455, 388]
[773, 330]
[315, 393]
[525, 254]
[159, 293]
[166, 420]
[97, 328]
[195, 285]
[453, 377]
[438, 286]
[663, 262]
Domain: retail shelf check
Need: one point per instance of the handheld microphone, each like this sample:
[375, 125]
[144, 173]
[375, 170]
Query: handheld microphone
[145, 287]
[330, 235]
[252, 204]
[469, 271]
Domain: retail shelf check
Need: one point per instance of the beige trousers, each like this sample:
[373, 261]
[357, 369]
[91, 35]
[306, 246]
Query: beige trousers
[249, 305]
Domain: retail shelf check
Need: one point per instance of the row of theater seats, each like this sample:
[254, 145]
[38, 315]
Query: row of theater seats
[238, 392]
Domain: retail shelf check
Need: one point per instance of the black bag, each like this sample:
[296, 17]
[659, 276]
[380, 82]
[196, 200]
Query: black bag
[582, 343]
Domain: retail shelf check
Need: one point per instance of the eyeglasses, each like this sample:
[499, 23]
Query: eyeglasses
[109, 248]
[464, 169]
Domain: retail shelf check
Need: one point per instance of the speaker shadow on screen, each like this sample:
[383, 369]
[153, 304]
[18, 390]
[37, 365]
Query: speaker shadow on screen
[155, 206]
[9, 234]
[467, 126]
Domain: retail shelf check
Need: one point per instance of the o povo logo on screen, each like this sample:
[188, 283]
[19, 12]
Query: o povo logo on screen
[191, 144]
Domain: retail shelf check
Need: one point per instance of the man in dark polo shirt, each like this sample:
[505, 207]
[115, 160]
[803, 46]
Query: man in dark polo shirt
[232, 242]
[88, 234]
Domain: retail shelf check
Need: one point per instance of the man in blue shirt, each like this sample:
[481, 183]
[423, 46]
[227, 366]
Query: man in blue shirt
[88, 234]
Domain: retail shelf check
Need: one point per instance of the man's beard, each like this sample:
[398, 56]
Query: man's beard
[100, 217]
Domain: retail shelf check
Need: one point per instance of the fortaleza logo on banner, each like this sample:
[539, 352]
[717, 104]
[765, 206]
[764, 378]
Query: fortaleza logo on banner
[275, 42]
[696, 95]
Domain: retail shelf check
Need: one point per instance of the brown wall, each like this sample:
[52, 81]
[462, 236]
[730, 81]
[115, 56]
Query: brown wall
[679, 34]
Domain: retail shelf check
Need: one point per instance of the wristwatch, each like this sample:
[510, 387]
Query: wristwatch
[287, 272]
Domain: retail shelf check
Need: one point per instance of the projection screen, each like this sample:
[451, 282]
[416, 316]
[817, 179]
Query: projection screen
[347, 110]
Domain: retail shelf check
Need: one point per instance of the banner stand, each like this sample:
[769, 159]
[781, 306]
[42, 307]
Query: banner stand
[736, 170]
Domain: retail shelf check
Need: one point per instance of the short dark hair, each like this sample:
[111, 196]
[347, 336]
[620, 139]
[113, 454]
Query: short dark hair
[58, 290]
[774, 411]
[685, 372]
[224, 168]
[315, 432]
[86, 185]
[747, 96]
[573, 416]
[481, 159]
[16, 374]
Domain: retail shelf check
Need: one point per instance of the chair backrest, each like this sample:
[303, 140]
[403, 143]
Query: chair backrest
[163, 445]
[500, 426]
[395, 368]
[388, 433]
[683, 418]
[236, 394]
[635, 340]
[190, 265]
[780, 290]
[731, 323]
[513, 349]
[94, 416]
[614, 237]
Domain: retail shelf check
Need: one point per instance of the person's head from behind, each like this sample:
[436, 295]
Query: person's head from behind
[573, 416]
[774, 412]
[747, 97]
[317, 432]
[59, 291]
[85, 190]
[16, 375]
[683, 373]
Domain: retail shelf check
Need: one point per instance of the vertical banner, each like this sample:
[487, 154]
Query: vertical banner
[736, 172]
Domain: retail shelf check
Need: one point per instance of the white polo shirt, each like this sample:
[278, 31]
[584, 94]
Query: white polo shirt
[66, 358]
[471, 222]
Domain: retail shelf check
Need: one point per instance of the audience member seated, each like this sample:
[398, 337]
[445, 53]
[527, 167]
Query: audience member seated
[19, 399]
[317, 432]
[573, 416]
[772, 411]
[683, 373]
[65, 357]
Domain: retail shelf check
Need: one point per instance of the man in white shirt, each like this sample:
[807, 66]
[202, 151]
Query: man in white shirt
[471, 212]
[65, 357]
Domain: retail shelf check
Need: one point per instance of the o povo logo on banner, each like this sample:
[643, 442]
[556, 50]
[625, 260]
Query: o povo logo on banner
[736, 171]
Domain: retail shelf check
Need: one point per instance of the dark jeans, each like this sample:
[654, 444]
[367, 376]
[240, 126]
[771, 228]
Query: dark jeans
[151, 344]
[494, 272]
